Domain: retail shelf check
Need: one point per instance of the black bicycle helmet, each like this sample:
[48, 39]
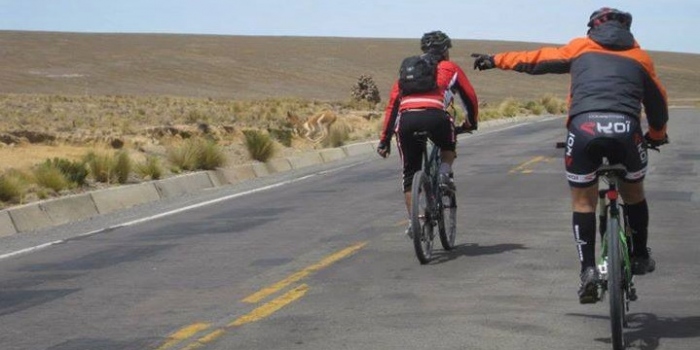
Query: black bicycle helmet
[605, 14]
[435, 42]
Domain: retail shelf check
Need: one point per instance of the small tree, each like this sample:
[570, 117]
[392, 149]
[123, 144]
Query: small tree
[366, 89]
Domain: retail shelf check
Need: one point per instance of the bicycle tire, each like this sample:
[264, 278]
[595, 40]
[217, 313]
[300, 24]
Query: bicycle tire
[615, 284]
[447, 223]
[421, 220]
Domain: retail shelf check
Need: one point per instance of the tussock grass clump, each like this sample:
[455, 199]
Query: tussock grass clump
[509, 108]
[122, 167]
[151, 168]
[534, 107]
[49, 176]
[338, 135]
[196, 154]
[101, 166]
[488, 113]
[183, 156]
[553, 105]
[210, 155]
[13, 186]
[260, 145]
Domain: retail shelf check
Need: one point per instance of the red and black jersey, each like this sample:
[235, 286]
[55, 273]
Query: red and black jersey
[451, 80]
[609, 73]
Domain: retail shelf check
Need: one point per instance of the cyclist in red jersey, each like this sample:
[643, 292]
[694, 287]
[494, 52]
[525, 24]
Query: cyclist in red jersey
[427, 111]
[611, 78]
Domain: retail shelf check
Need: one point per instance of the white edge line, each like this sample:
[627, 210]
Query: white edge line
[30, 249]
[158, 216]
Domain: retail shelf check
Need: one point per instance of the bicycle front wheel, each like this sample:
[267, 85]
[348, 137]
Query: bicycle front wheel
[448, 224]
[615, 283]
[421, 220]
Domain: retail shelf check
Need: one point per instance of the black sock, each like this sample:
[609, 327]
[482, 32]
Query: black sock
[638, 216]
[584, 234]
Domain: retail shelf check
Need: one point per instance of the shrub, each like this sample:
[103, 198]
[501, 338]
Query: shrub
[49, 176]
[260, 146]
[122, 167]
[150, 168]
[366, 89]
[74, 171]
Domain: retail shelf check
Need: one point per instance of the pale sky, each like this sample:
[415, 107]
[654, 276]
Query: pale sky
[660, 25]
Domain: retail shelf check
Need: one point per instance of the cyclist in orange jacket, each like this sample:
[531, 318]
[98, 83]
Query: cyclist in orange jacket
[407, 113]
[611, 78]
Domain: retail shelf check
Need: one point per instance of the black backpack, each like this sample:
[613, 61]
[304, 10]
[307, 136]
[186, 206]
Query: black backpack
[418, 74]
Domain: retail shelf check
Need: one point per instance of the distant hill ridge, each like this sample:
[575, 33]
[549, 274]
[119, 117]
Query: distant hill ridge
[250, 67]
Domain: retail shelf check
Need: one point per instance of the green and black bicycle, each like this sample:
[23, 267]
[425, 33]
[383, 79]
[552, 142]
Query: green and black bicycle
[614, 265]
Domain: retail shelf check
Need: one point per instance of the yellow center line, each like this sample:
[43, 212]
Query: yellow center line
[297, 276]
[521, 167]
[259, 313]
[265, 310]
[206, 339]
[271, 307]
[182, 334]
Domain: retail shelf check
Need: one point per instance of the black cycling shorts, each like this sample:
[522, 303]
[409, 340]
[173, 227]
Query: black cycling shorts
[617, 136]
[436, 121]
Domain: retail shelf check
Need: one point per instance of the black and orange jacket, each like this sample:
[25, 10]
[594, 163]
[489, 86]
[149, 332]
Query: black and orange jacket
[451, 80]
[609, 73]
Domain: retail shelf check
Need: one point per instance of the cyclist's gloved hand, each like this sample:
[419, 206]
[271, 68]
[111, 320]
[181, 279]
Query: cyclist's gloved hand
[483, 61]
[655, 143]
[468, 128]
[384, 148]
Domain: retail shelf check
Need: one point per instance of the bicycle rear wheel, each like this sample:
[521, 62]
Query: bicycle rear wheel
[421, 220]
[448, 225]
[615, 284]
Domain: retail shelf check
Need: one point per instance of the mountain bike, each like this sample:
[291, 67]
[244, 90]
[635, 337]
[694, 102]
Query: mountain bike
[614, 265]
[432, 205]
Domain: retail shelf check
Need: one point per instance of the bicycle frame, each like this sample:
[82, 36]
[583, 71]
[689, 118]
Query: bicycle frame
[431, 166]
[609, 207]
[614, 266]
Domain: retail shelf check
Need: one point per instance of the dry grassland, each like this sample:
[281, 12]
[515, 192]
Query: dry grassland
[62, 94]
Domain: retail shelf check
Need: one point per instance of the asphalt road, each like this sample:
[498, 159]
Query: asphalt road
[318, 260]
